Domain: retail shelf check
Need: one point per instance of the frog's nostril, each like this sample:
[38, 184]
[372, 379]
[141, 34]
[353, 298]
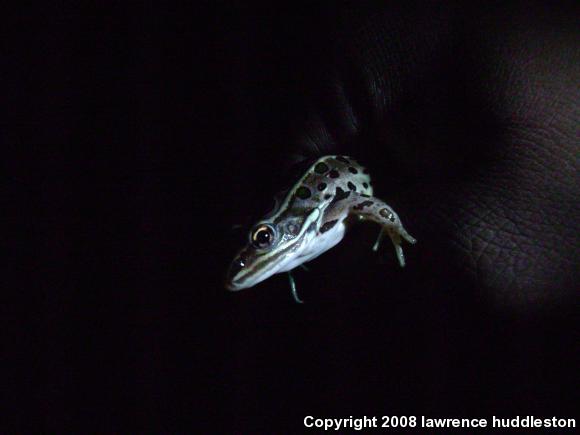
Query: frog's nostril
[238, 265]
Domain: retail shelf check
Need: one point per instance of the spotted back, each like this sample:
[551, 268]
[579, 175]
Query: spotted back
[326, 178]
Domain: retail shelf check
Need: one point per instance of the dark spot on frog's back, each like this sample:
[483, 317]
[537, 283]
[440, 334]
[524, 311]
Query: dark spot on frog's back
[366, 185]
[333, 174]
[351, 186]
[328, 225]
[321, 168]
[303, 192]
[343, 160]
[363, 205]
[321, 186]
[340, 194]
[352, 170]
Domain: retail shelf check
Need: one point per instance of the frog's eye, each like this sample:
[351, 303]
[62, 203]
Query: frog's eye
[262, 236]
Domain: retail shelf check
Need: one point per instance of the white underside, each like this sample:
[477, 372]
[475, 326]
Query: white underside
[315, 247]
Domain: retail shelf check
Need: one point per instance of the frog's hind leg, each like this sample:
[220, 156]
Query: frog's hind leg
[377, 211]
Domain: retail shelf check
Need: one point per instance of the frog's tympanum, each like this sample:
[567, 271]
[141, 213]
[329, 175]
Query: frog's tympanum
[310, 218]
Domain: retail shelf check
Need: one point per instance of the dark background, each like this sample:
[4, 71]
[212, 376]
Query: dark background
[135, 136]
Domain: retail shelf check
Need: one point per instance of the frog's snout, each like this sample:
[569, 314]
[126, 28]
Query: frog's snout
[235, 268]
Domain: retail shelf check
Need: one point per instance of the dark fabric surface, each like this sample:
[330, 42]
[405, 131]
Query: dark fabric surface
[136, 136]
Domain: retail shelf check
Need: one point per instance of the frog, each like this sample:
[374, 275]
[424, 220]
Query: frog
[312, 217]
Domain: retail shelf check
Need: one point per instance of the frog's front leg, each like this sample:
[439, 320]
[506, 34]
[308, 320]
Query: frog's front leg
[373, 209]
[293, 288]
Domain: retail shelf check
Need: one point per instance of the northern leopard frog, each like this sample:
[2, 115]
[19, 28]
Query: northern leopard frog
[310, 218]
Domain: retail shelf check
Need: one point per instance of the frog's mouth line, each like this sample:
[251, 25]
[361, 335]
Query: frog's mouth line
[257, 269]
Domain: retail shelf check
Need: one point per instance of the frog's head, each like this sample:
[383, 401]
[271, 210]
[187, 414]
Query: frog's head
[272, 248]
[255, 262]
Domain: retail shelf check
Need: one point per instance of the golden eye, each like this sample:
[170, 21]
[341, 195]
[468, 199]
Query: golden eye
[262, 236]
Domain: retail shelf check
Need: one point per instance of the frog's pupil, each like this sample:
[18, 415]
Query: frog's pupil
[263, 236]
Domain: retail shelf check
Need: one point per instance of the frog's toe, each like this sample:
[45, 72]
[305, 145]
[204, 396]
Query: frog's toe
[379, 239]
[408, 237]
[400, 256]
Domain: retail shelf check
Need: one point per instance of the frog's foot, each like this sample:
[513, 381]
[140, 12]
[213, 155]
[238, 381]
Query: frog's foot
[293, 288]
[396, 233]
[375, 210]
